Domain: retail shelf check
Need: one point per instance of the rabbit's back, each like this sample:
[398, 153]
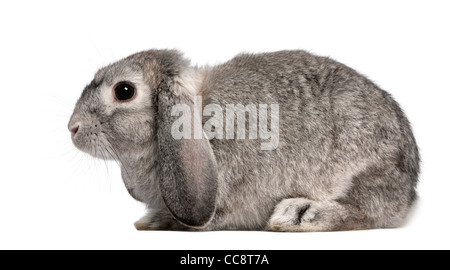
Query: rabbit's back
[334, 124]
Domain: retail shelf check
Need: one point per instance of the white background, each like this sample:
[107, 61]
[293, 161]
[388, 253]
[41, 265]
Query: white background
[54, 197]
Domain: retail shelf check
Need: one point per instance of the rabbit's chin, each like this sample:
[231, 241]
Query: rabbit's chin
[95, 147]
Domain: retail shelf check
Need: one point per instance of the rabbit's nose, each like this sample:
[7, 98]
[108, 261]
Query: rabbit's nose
[73, 128]
[74, 123]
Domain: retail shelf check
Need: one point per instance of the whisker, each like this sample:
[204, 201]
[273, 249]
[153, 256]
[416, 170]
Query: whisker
[105, 161]
[117, 157]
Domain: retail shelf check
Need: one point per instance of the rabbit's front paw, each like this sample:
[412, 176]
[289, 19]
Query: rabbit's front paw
[160, 225]
[303, 215]
[157, 221]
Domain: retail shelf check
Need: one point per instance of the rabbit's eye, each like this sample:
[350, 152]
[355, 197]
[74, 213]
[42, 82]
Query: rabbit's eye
[124, 91]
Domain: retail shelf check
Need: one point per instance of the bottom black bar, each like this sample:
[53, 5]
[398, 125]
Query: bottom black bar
[224, 259]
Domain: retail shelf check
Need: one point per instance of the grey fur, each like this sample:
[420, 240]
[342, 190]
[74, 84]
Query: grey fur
[346, 158]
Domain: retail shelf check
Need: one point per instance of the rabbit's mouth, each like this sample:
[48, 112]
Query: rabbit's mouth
[92, 140]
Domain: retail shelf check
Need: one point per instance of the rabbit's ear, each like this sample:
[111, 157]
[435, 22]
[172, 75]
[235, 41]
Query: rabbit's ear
[188, 180]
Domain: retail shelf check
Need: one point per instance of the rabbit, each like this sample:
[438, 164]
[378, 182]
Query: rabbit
[345, 157]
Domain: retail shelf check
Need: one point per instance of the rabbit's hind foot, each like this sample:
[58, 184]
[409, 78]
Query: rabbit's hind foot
[304, 215]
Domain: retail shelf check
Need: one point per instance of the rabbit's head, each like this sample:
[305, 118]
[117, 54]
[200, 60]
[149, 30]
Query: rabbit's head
[127, 106]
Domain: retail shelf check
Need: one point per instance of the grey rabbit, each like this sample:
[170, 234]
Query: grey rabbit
[345, 157]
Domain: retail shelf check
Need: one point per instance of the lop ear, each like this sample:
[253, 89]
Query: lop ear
[188, 180]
